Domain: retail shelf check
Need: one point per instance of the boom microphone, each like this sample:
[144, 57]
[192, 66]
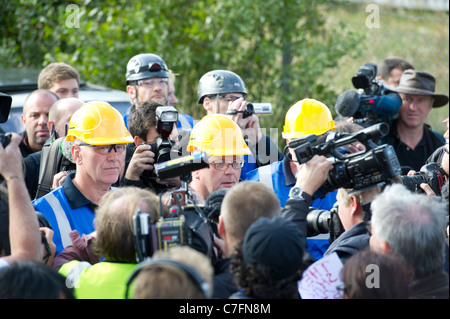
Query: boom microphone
[347, 103]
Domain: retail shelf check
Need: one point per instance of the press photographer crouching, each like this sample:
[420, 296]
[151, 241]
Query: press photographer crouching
[358, 177]
[154, 129]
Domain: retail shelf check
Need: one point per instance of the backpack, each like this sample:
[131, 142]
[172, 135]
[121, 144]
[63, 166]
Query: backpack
[52, 162]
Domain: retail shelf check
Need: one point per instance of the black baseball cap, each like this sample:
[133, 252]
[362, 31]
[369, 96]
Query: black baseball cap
[276, 243]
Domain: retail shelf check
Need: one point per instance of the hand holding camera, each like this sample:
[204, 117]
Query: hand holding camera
[313, 174]
[142, 160]
[243, 113]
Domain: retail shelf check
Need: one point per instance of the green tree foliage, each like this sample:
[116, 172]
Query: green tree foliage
[281, 48]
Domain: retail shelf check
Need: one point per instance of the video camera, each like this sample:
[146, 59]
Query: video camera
[166, 117]
[374, 104]
[253, 108]
[189, 223]
[431, 174]
[362, 170]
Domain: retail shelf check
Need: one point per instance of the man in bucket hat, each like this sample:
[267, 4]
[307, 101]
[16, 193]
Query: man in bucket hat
[413, 140]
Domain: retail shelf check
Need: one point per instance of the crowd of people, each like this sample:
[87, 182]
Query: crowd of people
[85, 214]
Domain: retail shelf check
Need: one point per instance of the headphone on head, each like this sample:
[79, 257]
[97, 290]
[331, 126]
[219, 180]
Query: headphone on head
[190, 271]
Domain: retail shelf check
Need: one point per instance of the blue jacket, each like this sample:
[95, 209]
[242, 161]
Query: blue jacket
[66, 209]
[282, 180]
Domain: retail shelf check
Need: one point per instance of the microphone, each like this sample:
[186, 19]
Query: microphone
[347, 103]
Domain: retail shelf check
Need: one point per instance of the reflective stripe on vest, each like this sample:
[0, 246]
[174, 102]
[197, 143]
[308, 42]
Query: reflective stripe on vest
[265, 175]
[61, 219]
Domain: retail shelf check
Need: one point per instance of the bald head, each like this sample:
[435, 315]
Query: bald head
[35, 117]
[61, 112]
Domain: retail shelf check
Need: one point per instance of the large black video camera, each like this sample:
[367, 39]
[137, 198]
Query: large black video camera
[374, 105]
[372, 167]
[431, 174]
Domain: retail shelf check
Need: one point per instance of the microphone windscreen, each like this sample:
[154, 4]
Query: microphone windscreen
[347, 103]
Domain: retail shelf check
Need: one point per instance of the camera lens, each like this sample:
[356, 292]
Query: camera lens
[318, 222]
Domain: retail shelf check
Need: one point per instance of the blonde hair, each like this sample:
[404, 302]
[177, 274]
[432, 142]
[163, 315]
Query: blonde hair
[114, 221]
[167, 281]
[55, 72]
[244, 203]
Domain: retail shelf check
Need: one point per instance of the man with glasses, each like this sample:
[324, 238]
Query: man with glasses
[99, 140]
[222, 140]
[148, 79]
[220, 91]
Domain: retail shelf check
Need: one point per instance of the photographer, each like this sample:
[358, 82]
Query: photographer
[141, 156]
[354, 214]
[114, 239]
[413, 140]
[224, 92]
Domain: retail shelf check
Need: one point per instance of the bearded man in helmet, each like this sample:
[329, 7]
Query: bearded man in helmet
[220, 91]
[100, 137]
[148, 79]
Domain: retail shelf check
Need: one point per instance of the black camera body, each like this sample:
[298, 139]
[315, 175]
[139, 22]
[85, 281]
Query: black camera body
[186, 228]
[5, 139]
[431, 174]
[320, 221]
[253, 108]
[372, 167]
[166, 117]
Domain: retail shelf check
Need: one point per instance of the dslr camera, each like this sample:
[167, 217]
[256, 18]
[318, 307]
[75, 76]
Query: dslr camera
[373, 103]
[431, 174]
[362, 170]
[166, 117]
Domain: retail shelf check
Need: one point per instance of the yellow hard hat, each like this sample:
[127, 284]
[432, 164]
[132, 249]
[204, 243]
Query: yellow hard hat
[218, 135]
[307, 116]
[98, 123]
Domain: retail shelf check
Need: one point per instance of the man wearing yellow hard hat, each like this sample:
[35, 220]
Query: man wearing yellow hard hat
[307, 116]
[100, 137]
[222, 140]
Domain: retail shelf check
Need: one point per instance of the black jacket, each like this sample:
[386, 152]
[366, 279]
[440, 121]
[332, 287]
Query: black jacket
[349, 242]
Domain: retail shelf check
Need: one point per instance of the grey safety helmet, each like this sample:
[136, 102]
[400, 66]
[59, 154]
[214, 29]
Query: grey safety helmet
[219, 82]
[146, 65]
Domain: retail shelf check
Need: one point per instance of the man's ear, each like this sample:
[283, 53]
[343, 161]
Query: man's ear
[138, 140]
[75, 150]
[207, 105]
[221, 227]
[131, 92]
[49, 126]
[354, 204]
